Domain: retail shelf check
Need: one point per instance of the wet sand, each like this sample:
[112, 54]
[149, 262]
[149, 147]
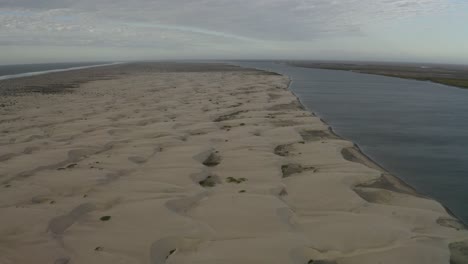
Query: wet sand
[196, 163]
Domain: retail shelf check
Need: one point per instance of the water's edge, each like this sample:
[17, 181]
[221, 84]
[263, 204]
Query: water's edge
[367, 159]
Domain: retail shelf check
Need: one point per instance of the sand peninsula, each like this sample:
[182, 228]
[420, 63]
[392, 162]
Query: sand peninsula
[197, 163]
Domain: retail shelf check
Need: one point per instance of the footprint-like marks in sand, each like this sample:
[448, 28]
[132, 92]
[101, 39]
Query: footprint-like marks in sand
[290, 169]
[60, 224]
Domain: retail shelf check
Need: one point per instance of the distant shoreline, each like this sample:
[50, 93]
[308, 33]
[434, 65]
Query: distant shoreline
[446, 75]
[34, 73]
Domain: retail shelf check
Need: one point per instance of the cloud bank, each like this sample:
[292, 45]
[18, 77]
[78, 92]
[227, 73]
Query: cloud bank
[211, 24]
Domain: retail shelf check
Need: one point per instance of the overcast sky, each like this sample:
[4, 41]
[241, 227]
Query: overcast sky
[81, 30]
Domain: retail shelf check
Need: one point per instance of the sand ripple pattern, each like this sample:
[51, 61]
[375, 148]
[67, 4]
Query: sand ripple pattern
[187, 163]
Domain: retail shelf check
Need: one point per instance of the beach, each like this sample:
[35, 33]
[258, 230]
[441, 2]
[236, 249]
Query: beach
[197, 163]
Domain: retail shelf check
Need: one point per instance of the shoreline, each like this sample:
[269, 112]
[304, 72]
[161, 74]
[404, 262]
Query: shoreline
[29, 74]
[457, 77]
[160, 163]
[398, 183]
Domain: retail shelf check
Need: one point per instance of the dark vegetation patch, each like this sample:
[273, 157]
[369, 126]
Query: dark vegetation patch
[295, 105]
[315, 135]
[235, 180]
[212, 160]
[105, 218]
[290, 169]
[283, 150]
[210, 181]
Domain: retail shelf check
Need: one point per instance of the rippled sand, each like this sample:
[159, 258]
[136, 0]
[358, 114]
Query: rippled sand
[192, 163]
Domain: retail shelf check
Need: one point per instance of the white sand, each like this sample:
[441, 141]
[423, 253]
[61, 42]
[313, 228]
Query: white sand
[133, 148]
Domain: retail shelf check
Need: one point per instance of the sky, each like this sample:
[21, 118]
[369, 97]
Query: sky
[38, 31]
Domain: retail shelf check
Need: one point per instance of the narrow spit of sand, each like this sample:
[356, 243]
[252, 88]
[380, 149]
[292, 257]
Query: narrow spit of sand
[196, 163]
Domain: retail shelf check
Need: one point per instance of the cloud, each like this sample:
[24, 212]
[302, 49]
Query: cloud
[220, 24]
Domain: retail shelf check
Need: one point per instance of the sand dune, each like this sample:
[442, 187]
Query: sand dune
[190, 163]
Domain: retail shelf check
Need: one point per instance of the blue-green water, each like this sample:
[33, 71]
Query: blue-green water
[416, 130]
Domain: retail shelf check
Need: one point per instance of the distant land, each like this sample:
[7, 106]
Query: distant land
[453, 75]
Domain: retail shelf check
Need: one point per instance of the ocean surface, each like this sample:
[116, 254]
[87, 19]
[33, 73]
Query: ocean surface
[22, 70]
[416, 130]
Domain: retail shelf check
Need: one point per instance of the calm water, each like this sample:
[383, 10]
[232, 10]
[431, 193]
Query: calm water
[416, 130]
[8, 71]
